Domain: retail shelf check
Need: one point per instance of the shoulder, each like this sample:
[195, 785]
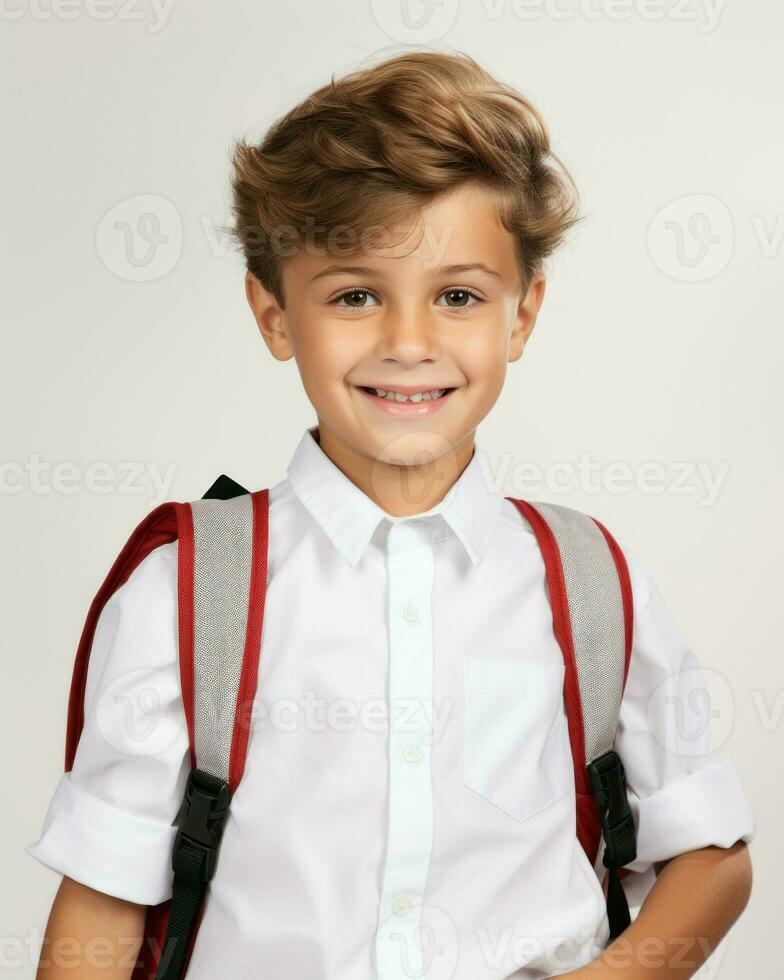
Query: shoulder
[640, 579]
[135, 634]
[156, 571]
[282, 496]
[639, 576]
[512, 520]
[142, 607]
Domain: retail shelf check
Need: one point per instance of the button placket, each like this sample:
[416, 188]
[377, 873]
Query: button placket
[411, 564]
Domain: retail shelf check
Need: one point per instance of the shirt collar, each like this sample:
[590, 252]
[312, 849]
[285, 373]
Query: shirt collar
[471, 507]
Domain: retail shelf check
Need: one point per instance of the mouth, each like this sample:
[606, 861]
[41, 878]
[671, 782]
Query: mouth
[406, 402]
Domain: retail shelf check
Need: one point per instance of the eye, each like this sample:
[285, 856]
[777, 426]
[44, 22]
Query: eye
[461, 294]
[356, 293]
[355, 298]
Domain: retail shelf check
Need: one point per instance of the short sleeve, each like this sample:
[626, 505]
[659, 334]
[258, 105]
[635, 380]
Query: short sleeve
[111, 820]
[683, 796]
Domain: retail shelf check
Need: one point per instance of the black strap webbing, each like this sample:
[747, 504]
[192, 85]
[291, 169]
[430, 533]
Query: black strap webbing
[617, 906]
[608, 780]
[187, 897]
[202, 818]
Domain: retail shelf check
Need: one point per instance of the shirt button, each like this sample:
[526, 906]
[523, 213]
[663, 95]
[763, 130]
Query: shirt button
[402, 905]
[412, 613]
[412, 753]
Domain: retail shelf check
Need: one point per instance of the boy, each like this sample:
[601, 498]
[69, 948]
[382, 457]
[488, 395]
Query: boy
[408, 804]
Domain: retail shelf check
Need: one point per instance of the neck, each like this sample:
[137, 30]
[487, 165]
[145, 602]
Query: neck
[399, 490]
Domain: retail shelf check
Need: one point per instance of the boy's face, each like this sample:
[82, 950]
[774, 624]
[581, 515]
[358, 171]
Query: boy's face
[401, 318]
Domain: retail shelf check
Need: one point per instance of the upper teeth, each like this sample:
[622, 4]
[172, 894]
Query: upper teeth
[396, 396]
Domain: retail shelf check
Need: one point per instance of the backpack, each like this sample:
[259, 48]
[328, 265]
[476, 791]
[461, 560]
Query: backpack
[222, 578]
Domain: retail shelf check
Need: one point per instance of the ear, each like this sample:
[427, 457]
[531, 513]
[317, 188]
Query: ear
[527, 312]
[270, 318]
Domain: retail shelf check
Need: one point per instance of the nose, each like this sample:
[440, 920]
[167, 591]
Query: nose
[407, 336]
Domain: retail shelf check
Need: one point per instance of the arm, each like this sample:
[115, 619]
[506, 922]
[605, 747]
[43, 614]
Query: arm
[692, 818]
[694, 902]
[90, 934]
[111, 822]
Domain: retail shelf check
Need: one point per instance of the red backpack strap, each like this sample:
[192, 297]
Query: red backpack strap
[222, 582]
[590, 594]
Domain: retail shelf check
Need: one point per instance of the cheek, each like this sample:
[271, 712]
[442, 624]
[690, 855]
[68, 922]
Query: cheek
[327, 356]
[483, 356]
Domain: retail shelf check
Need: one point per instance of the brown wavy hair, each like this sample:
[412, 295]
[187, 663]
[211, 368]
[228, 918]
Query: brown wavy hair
[371, 149]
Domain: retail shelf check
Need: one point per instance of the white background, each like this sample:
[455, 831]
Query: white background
[660, 340]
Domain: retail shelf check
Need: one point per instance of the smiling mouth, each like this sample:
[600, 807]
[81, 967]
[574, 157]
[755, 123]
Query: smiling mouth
[414, 404]
[424, 395]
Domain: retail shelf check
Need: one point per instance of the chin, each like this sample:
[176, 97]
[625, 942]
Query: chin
[413, 448]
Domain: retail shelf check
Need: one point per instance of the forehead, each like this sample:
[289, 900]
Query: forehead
[461, 227]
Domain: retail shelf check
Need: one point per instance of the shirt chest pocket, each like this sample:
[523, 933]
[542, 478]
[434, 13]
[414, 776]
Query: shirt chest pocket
[515, 741]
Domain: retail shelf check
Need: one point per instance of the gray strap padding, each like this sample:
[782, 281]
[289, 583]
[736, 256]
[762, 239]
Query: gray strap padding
[595, 599]
[223, 539]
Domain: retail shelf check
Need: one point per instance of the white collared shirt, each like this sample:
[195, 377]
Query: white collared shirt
[407, 808]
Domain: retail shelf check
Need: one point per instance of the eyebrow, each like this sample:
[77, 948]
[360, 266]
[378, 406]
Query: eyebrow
[364, 270]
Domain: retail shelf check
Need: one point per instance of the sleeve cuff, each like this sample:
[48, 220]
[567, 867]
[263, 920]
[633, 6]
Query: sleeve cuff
[105, 848]
[707, 807]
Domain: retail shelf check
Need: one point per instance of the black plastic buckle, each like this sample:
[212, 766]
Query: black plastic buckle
[608, 779]
[203, 813]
